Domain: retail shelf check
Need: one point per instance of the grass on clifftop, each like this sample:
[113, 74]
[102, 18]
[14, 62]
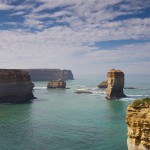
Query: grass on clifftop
[141, 102]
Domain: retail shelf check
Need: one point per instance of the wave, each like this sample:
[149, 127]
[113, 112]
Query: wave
[137, 96]
[134, 97]
[90, 90]
[101, 93]
[39, 88]
[127, 99]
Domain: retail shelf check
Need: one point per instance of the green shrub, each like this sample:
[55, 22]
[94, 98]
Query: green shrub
[141, 102]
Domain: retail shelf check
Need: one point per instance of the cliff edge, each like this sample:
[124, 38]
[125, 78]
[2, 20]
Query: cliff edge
[15, 86]
[138, 121]
[49, 74]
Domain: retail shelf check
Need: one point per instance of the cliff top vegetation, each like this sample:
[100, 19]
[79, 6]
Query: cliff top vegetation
[145, 102]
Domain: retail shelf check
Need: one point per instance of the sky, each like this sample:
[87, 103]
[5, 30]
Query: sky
[86, 36]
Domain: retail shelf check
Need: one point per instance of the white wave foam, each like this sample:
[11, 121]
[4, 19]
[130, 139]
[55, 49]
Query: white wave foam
[81, 86]
[83, 90]
[128, 99]
[137, 96]
[133, 97]
[92, 90]
[39, 88]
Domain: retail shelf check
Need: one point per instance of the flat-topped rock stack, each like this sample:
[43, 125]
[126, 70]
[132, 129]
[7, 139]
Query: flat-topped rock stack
[115, 79]
[138, 121]
[103, 84]
[15, 86]
[57, 84]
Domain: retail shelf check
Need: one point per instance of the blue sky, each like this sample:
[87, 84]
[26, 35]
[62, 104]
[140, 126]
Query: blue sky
[86, 36]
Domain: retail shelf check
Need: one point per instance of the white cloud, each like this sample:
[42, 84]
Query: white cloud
[72, 46]
[5, 6]
[18, 13]
[135, 5]
[54, 49]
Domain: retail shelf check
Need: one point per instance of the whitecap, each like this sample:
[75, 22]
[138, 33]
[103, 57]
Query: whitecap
[83, 90]
[39, 88]
[127, 99]
[133, 97]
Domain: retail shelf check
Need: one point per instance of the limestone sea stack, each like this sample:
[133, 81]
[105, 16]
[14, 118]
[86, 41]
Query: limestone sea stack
[138, 121]
[103, 84]
[57, 84]
[15, 86]
[115, 79]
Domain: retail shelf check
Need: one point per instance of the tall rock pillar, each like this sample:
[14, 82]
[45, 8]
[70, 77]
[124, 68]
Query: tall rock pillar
[115, 79]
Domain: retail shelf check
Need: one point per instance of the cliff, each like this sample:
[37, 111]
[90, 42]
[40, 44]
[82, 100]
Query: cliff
[15, 86]
[50, 74]
[115, 79]
[138, 121]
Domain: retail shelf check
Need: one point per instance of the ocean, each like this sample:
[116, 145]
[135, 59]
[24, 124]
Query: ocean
[60, 119]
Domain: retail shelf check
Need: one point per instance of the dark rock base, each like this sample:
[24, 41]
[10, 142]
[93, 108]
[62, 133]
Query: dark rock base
[116, 94]
[17, 99]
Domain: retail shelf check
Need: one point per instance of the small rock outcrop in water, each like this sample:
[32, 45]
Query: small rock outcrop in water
[103, 84]
[57, 84]
[138, 121]
[15, 86]
[49, 74]
[79, 91]
[115, 79]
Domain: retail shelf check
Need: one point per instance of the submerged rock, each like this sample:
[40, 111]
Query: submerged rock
[115, 79]
[138, 121]
[103, 84]
[79, 91]
[15, 86]
[57, 84]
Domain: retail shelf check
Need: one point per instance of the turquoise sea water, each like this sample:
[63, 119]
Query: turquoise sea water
[60, 119]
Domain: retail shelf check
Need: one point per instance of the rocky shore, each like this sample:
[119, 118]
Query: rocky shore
[138, 121]
[15, 86]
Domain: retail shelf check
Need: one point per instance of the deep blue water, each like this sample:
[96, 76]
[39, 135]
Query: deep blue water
[60, 119]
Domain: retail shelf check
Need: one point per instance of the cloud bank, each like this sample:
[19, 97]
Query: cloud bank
[64, 34]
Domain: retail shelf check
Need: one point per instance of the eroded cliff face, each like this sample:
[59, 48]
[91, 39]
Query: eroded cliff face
[49, 74]
[115, 79]
[15, 86]
[138, 121]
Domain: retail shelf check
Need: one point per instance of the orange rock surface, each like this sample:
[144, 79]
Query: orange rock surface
[115, 79]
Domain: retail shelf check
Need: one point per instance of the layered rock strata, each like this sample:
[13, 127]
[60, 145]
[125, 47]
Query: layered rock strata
[50, 74]
[56, 84]
[15, 86]
[138, 121]
[115, 79]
